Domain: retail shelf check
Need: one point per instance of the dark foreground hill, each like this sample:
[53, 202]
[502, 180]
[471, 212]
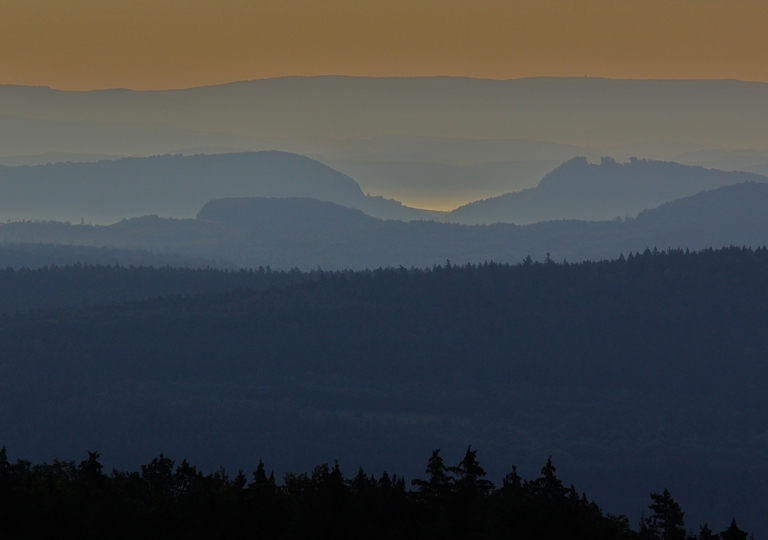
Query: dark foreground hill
[306, 233]
[635, 374]
[176, 185]
[580, 190]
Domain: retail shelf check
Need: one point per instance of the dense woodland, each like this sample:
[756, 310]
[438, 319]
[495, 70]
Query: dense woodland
[79, 285]
[637, 373]
[38, 255]
[625, 319]
[166, 500]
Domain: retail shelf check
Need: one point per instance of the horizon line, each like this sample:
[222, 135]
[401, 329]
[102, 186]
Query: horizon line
[374, 77]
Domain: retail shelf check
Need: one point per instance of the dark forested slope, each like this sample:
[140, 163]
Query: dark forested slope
[635, 373]
[581, 190]
[27, 289]
[39, 255]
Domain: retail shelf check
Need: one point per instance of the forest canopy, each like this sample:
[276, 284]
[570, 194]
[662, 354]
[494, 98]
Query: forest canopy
[169, 500]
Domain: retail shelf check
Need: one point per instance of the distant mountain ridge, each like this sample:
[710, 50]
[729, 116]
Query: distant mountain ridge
[176, 186]
[435, 138]
[564, 110]
[581, 190]
[307, 233]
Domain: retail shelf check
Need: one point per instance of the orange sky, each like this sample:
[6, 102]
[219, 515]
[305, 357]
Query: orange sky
[153, 44]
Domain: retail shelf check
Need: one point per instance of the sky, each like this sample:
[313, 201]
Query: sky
[159, 44]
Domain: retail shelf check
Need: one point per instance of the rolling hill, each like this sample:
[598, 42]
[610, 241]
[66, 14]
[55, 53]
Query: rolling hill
[175, 186]
[457, 139]
[307, 233]
[581, 190]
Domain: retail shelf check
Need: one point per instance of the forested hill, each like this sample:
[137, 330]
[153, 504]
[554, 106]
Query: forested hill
[581, 190]
[636, 373]
[176, 186]
[77, 285]
[39, 255]
[307, 233]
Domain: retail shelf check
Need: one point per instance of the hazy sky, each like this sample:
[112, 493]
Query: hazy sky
[83, 44]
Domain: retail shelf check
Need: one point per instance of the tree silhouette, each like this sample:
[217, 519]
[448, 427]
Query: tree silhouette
[183, 503]
[438, 483]
[470, 475]
[705, 533]
[666, 522]
[733, 533]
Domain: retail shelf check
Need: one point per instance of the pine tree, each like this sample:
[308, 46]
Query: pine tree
[705, 533]
[439, 483]
[470, 475]
[667, 522]
[549, 484]
[733, 533]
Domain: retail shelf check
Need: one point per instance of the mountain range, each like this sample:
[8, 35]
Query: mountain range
[178, 186]
[430, 142]
[581, 190]
[175, 186]
[307, 233]
[577, 111]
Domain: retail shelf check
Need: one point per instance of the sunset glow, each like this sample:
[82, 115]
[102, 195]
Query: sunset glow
[142, 44]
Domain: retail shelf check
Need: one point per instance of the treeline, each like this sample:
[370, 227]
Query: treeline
[165, 500]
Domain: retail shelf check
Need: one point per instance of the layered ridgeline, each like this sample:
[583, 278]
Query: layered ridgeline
[579, 111]
[176, 186]
[430, 142]
[637, 374]
[307, 233]
[581, 190]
